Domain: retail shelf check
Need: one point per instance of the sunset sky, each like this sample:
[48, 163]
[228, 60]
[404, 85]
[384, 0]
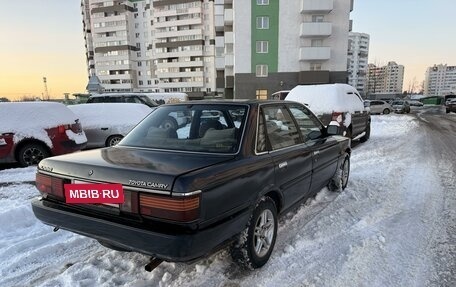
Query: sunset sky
[43, 38]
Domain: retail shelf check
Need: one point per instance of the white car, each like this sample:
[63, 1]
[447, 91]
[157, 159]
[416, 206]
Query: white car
[105, 124]
[380, 107]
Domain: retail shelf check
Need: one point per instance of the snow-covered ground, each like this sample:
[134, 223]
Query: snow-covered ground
[381, 231]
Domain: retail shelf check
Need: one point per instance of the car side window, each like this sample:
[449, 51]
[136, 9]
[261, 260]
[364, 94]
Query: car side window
[280, 127]
[306, 122]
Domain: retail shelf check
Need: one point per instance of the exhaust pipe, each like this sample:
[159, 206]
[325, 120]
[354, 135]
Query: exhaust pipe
[154, 262]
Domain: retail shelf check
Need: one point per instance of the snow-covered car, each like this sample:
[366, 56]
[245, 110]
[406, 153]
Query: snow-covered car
[105, 124]
[188, 194]
[415, 103]
[336, 104]
[401, 106]
[380, 107]
[138, 98]
[32, 131]
[451, 106]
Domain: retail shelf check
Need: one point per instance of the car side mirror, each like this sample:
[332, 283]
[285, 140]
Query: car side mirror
[313, 135]
[333, 130]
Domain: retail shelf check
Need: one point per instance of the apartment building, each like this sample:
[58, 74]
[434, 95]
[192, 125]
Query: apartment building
[238, 49]
[440, 80]
[385, 81]
[357, 63]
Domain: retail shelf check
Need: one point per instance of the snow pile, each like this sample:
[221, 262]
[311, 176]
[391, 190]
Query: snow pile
[326, 99]
[120, 117]
[18, 174]
[31, 119]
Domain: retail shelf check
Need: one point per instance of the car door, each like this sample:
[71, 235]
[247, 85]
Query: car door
[359, 116]
[291, 157]
[323, 149]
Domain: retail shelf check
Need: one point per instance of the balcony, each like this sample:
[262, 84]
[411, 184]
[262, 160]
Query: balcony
[316, 6]
[229, 38]
[314, 53]
[318, 29]
[229, 16]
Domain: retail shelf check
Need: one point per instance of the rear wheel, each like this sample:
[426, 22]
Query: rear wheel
[386, 111]
[32, 154]
[340, 179]
[113, 140]
[254, 245]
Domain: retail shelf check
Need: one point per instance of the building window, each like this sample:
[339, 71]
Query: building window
[318, 18]
[262, 22]
[262, 94]
[262, 2]
[316, 43]
[262, 46]
[262, 70]
[315, 66]
[140, 83]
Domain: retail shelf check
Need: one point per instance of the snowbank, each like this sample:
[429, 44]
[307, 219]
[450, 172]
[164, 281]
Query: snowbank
[325, 99]
[31, 119]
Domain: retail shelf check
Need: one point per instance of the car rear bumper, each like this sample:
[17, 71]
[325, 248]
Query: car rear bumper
[171, 247]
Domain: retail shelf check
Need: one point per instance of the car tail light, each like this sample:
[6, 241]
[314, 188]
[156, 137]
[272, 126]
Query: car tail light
[63, 128]
[130, 202]
[50, 185]
[338, 117]
[181, 209]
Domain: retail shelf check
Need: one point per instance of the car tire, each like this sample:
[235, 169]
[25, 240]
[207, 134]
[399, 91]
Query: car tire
[170, 123]
[366, 135]
[32, 154]
[340, 179]
[254, 245]
[386, 111]
[113, 140]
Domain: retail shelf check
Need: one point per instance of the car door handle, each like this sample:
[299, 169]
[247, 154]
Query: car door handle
[317, 152]
[104, 129]
[283, 164]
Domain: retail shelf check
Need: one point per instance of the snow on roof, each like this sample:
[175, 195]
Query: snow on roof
[325, 99]
[123, 116]
[30, 119]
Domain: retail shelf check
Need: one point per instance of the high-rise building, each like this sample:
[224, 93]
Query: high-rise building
[242, 49]
[440, 80]
[357, 63]
[385, 81]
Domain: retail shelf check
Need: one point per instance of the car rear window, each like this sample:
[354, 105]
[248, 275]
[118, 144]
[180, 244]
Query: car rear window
[191, 127]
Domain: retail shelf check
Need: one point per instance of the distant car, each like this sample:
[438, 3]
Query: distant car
[401, 106]
[414, 103]
[380, 107]
[138, 98]
[336, 104]
[105, 124]
[32, 131]
[191, 191]
[451, 106]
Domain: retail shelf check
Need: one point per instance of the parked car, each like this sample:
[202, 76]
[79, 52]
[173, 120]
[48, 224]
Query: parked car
[451, 106]
[105, 124]
[380, 107]
[401, 106]
[138, 98]
[336, 104]
[190, 191]
[415, 103]
[32, 131]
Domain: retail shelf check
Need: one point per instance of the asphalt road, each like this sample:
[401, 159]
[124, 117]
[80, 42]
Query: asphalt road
[442, 130]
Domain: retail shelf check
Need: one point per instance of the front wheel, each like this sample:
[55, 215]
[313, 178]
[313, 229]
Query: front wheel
[340, 179]
[254, 245]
